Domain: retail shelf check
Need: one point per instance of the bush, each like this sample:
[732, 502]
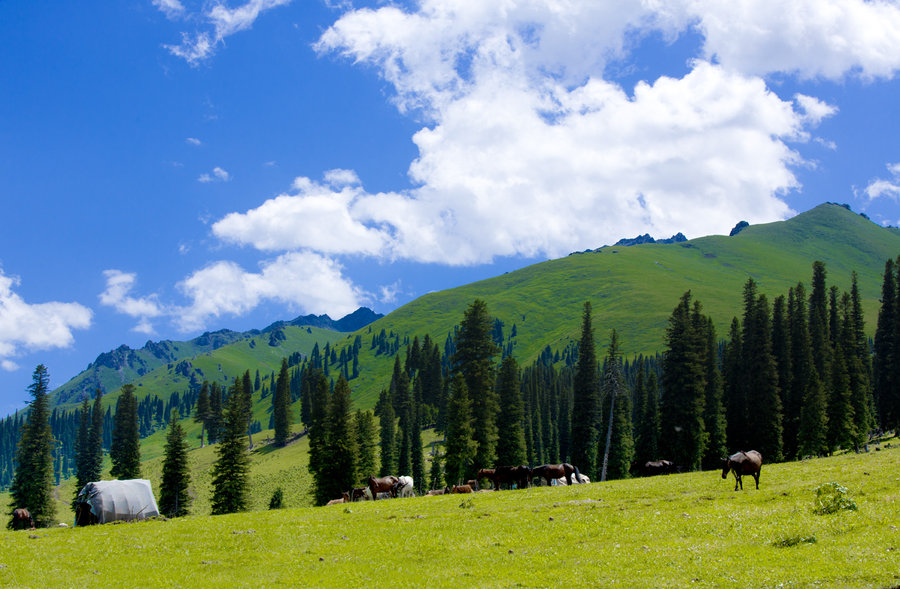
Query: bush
[277, 501]
[831, 498]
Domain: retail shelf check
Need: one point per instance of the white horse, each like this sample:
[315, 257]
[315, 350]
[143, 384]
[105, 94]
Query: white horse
[583, 479]
[405, 487]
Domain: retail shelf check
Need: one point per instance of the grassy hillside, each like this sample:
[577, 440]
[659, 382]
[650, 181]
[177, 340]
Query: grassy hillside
[669, 531]
[634, 289]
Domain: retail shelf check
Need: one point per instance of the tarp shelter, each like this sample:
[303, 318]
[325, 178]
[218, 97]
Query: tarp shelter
[108, 501]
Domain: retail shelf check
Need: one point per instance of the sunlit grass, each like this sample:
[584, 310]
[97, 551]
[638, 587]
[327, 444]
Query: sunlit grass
[669, 531]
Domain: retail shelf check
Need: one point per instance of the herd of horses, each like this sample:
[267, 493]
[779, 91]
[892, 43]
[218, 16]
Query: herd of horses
[521, 477]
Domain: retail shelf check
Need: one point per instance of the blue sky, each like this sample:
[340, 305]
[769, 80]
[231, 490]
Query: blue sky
[169, 167]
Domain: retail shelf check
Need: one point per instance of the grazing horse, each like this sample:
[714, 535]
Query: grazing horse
[404, 487]
[555, 471]
[489, 474]
[383, 485]
[656, 467]
[358, 493]
[21, 520]
[743, 463]
[512, 475]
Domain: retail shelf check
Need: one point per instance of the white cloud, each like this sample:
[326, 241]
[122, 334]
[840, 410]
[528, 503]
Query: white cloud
[193, 141]
[9, 365]
[224, 22]
[879, 187]
[171, 8]
[217, 175]
[304, 281]
[117, 295]
[39, 326]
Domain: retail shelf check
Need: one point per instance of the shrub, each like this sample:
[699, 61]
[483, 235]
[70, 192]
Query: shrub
[831, 498]
[277, 501]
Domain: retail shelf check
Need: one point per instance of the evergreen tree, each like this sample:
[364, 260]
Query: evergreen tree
[365, 444]
[231, 471]
[714, 407]
[859, 366]
[511, 440]
[460, 445]
[32, 484]
[802, 374]
[94, 458]
[387, 430]
[338, 472]
[764, 416]
[436, 475]
[281, 405]
[417, 457]
[247, 392]
[819, 337]
[216, 418]
[83, 446]
[174, 499]
[403, 403]
[125, 451]
[646, 435]
[884, 363]
[201, 414]
[734, 388]
[811, 438]
[475, 350]
[586, 401]
[682, 429]
[619, 446]
[318, 425]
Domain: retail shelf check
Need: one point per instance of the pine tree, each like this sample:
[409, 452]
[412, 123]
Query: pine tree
[619, 446]
[475, 350]
[586, 401]
[764, 416]
[682, 430]
[201, 414]
[646, 435]
[811, 438]
[405, 411]
[125, 451]
[385, 412]
[365, 443]
[884, 363]
[338, 472]
[714, 407]
[318, 425]
[417, 457]
[216, 418]
[436, 474]
[281, 405]
[32, 484]
[230, 473]
[82, 446]
[734, 389]
[859, 367]
[247, 388]
[94, 458]
[511, 440]
[460, 445]
[174, 498]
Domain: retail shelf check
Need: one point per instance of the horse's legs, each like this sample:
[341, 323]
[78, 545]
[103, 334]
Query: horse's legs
[737, 482]
[756, 476]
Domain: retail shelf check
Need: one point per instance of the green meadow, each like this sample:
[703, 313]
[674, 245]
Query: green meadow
[667, 531]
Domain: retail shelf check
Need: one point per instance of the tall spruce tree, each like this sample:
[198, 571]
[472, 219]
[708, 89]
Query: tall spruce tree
[318, 421]
[94, 458]
[460, 444]
[859, 366]
[82, 446]
[231, 471]
[201, 413]
[365, 444]
[247, 388]
[32, 484]
[885, 360]
[764, 409]
[803, 390]
[338, 472]
[125, 451]
[281, 405]
[417, 457]
[682, 429]
[734, 388]
[619, 446]
[586, 401]
[646, 434]
[474, 359]
[216, 417]
[174, 497]
[387, 434]
[714, 406]
[511, 440]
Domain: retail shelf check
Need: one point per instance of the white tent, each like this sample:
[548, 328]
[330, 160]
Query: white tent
[111, 501]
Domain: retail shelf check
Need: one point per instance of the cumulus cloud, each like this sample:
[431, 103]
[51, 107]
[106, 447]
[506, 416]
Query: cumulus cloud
[117, 295]
[217, 175]
[171, 8]
[35, 326]
[304, 281]
[880, 187]
[223, 22]
[193, 141]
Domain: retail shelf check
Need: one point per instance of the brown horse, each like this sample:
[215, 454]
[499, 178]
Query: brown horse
[489, 474]
[383, 485]
[656, 467]
[21, 520]
[512, 475]
[743, 463]
[461, 489]
[555, 471]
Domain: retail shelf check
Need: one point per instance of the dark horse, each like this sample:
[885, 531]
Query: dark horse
[21, 520]
[518, 475]
[656, 467]
[383, 485]
[743, 463]
[555, 471]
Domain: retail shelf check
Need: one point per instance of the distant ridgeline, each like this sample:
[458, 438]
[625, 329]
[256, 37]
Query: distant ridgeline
[110, 370]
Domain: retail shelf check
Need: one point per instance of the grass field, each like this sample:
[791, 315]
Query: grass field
[671, 531]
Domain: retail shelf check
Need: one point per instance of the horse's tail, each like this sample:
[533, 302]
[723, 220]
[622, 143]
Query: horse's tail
[577, 475]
